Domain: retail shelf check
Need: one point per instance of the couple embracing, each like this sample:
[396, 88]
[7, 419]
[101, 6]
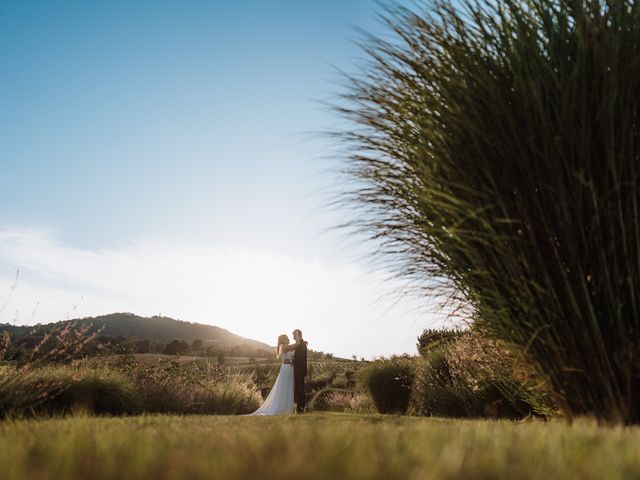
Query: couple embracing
[289, 386]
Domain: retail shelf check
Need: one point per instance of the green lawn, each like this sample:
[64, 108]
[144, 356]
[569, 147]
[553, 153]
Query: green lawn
[313, 446]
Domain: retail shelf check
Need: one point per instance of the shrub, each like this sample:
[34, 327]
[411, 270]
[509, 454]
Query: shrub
[342, 400]
[22, 390]
[434, 391]
[317, 383]
[473, 376]
[234, 394]
[360, 403]
[127, 387]
[341, 381]
[506, 376]
[324, 400]
[163, 387]
[166, 387]
[101, 392]
[176, 347]
[61, 390]
[388, 381]
[433, 338]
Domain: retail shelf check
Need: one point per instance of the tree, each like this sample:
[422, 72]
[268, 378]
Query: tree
[142, 346]
[176, 347]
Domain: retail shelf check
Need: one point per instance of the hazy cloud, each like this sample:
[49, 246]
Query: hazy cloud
[255, 293]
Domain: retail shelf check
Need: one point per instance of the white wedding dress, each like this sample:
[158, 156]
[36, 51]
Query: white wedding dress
[280, 399]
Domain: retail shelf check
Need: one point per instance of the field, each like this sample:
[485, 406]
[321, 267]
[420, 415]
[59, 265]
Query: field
[312, 447]
[185, 359]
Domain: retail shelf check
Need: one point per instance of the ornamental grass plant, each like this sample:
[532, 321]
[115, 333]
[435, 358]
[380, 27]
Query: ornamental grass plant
[494, 159]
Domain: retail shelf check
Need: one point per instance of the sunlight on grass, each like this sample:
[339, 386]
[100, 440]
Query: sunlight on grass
[313, 446]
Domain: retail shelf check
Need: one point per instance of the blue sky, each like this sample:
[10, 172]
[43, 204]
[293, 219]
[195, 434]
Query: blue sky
[145, 131]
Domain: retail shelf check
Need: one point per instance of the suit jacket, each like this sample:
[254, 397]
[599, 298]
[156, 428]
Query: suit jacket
[300, 359]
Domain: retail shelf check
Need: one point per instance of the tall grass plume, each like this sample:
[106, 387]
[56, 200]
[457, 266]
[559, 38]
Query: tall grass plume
[494, 158]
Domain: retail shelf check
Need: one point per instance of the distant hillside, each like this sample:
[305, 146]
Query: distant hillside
[155, 329]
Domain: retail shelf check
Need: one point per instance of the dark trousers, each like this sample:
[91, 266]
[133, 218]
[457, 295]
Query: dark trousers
[298, 389]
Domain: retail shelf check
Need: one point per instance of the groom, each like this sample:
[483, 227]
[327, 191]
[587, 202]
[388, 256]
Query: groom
[299, 369]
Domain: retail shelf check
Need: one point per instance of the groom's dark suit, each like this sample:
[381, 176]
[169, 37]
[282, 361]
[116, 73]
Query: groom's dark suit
[299, 372]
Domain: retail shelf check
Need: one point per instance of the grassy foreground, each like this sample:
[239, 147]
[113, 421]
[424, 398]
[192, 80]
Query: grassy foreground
[312, 446]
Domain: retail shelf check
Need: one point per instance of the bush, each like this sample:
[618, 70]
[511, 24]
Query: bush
[176, 347]
[434, 392]
[102, 392]
[341, 381]
[433, 338]
[235, 394]
[388, 381]
[342, 400]
[506, 377]
[317, 383]
[59, 390]
[358, 403]
[22, 390]
[127, 387]
[167, 387]
[472, 376]
[324, 399]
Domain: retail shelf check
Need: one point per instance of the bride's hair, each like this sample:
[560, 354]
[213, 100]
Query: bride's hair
[282, 340]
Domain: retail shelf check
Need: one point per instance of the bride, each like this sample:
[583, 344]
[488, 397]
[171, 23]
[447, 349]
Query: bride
[280, 399]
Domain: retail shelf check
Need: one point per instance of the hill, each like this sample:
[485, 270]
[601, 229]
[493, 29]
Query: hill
[154, 329]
